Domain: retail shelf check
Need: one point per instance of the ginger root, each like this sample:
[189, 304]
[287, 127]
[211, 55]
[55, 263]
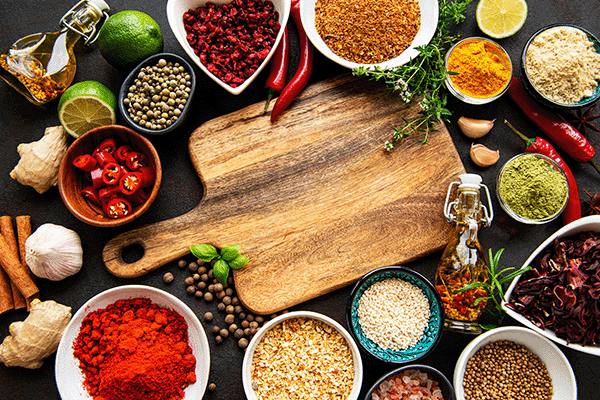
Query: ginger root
[37, 337]
[40, 161]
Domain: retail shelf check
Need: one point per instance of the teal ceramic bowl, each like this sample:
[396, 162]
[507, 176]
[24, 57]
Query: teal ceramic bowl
[431, 335]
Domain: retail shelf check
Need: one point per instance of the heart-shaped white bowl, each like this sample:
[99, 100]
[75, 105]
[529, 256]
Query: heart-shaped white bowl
[175, 11]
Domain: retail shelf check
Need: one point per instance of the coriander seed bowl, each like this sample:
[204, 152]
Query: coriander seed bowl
[569, 84]
[293, 354]
[528, 195]
[560, 372]
[415, 372]
[154, 108]
[425, 327]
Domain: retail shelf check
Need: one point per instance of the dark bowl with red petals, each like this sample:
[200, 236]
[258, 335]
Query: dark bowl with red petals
[87, 197]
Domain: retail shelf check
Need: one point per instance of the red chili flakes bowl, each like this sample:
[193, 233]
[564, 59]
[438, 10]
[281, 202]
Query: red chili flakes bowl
[245, 62]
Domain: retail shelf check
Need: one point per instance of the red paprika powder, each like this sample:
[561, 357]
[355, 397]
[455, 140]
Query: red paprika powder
[134, 349]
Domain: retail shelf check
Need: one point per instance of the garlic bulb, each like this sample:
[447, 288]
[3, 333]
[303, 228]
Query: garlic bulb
[54, 252]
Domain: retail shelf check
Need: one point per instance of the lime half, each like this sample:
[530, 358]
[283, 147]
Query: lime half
[501, 18]
[86, 105]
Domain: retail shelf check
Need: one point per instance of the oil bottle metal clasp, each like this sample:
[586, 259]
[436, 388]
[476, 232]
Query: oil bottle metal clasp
[79, 15]
[469, 183]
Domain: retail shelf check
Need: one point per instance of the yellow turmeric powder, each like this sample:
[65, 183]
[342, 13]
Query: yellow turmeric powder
[483, 70]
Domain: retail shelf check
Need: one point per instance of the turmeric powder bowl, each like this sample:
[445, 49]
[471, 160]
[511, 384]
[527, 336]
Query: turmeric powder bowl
[479, 70]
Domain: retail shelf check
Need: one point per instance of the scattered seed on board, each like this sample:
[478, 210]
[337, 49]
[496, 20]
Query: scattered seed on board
[212, 387]
[168, 277]
[189, 281]
[208, 316]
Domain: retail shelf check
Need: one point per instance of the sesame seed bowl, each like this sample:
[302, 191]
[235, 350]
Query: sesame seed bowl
[395, 315]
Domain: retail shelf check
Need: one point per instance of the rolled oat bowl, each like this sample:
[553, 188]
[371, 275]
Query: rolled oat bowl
[302, 355]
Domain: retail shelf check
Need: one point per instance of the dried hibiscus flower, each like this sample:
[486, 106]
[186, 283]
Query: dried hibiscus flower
[562, 291]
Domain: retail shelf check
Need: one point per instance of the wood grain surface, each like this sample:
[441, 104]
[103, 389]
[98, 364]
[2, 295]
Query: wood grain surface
[314, 200]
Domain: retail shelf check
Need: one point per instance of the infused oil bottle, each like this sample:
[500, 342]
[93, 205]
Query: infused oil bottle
[42, 66]
[463, 262]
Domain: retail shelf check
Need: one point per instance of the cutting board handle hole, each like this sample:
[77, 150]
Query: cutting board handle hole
[132, 253]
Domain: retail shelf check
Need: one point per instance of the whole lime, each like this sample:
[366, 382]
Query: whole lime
[128, 37]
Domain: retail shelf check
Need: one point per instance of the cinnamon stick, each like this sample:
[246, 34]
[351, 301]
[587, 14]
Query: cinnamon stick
[23, 232]
[6, 300]
[7, 230]
[13, 268]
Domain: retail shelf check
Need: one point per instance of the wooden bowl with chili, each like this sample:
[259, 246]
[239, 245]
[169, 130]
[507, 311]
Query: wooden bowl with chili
[109, 176]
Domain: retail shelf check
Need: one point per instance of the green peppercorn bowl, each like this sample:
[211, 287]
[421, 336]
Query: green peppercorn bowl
[505, 204]
[559, 369]
[185, 97]
[68, 375]
[432, 333]
[443, 382]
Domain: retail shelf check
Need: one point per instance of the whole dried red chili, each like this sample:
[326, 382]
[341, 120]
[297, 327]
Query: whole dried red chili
[300, 79]
[85, 162]
[108, 145]
[104, 158]
[279, 66]
[539, 145]
[121, 154]
[118, 208]
[111, 173]
[563, 134]
[130, 183]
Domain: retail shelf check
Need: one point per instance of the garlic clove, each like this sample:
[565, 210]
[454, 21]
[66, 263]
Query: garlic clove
[483, 156]
[475, 128]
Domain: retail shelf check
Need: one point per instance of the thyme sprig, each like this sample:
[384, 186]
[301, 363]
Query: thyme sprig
[494, 288]
[423, 75]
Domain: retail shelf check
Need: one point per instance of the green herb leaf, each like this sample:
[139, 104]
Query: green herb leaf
[204, 252]
[238, 262]
[230, 252]
[221, 271]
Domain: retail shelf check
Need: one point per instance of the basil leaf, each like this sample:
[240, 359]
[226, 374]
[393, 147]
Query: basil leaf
[238, 262]
[221, 271]
[230, 252]
[204, 252]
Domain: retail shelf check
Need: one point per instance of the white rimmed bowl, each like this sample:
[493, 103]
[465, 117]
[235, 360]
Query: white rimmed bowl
[429, 21]
[585, 224]
[175, 11]
[563, 379]
[247, 363]
[69, 378]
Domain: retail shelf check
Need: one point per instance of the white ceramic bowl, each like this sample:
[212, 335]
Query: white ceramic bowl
[175, 11]
[429, 20]
[561, 373]
[247, 363]
[69, 378]
[590, 223]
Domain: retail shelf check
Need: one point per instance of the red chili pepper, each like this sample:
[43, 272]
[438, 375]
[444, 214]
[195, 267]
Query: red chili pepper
[130, 183]
[108, 145]
[85, 162]
[104, 158]
[91, 194]
[96, 176]
[118, 208]
[148, 176]
[121, 154]
[300, 79]
[138, 197]
[135, 160]
[111, 173]
[108, 193]
[563, 134]
[279, 66]
[538, 145]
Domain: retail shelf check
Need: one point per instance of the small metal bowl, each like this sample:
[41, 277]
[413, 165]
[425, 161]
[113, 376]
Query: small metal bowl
[150, 61]
[443, 382]
[539, 96]
[513, 214]
[432, 333]
[492, 46]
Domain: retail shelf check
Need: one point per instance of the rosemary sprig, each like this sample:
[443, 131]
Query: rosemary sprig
[494, 288]
[423, 75]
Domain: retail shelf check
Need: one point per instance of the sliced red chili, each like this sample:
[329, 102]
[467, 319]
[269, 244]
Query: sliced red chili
[118, 208]
[85, 162]
[148, 176]
[96, 176]
[109, 193]
[131, 182]
[121, 154]
[138, 197]
[91, 194]
[135, 160]
[104, 158]
[111, 173]
[108, 145]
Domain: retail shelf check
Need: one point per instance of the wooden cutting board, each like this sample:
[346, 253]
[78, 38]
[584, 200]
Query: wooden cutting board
[314, 200]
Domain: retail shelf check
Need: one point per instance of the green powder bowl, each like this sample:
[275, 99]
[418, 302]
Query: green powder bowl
[532, 188]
